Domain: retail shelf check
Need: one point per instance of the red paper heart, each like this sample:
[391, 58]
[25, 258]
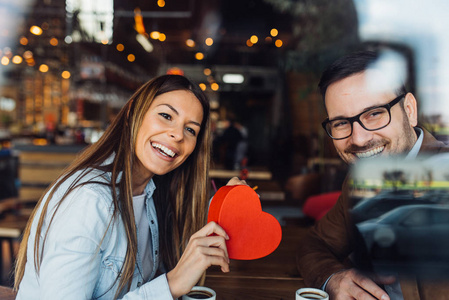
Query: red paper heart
[252, 233]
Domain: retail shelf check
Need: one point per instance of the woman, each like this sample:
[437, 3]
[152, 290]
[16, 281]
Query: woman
[130, 208]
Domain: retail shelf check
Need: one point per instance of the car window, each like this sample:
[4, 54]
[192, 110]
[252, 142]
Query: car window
[383, 206]
[389, 204]
[440, 216]
[418, 217]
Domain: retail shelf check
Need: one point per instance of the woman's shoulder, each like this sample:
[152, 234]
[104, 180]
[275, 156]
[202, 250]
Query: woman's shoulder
[83, 198]
[89, 183]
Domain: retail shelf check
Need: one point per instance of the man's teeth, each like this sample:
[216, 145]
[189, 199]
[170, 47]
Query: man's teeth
[370, 153]
[164, 149]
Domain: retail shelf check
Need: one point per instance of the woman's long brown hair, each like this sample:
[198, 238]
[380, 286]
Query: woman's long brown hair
[180, 198]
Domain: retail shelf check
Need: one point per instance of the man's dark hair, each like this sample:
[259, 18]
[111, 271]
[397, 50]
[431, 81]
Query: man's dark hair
[347, 66]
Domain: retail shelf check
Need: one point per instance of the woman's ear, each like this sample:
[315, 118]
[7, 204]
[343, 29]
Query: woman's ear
[411, 109]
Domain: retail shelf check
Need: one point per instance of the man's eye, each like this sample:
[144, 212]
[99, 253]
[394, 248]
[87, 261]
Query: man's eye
[376, 113]
[339, 123]
[191, 131]
[165, 116]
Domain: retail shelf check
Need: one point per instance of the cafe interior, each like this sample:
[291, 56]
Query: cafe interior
[69, 66]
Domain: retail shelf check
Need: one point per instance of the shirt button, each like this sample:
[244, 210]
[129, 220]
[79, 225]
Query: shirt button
[155, 252]
[152, 222]
[139, 284]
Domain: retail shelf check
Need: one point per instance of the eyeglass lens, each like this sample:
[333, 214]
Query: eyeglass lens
[373, 119]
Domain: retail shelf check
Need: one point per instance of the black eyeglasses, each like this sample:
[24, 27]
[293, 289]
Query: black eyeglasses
[373, 119]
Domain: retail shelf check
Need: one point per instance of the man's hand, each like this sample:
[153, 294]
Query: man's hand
[351, 284]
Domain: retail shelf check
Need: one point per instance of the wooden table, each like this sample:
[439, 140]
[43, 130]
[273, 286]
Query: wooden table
[276, 276]
[272, 277]
[269, 189]
[228, 174]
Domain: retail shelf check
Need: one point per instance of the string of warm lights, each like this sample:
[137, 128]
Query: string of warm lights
[155, 35]
[7, 56]
[143, 36]
[254, 39]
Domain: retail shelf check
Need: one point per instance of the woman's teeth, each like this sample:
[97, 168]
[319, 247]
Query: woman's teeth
[370, 153]
[164, 149]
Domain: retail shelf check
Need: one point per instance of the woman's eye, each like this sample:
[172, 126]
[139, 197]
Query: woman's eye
[191, 131]
[165, 116]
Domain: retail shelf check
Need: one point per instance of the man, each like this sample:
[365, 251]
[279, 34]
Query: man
[366, 118]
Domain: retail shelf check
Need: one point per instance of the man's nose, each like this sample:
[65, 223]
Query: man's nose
[360, 136]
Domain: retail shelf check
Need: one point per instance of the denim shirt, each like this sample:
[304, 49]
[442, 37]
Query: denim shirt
[84, 251]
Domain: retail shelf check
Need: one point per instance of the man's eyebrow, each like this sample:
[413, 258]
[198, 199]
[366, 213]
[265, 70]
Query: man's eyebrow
[364, 110]
[177, 113]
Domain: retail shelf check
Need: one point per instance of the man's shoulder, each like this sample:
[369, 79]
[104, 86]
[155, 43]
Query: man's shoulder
[431, 145]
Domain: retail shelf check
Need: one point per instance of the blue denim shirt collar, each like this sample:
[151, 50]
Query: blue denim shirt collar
[149, 189]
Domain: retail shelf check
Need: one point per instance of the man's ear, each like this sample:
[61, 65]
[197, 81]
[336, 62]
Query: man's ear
[411, 109]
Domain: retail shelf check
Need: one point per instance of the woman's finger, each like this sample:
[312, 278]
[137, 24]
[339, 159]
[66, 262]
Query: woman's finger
[216, 242]
[211, 256]
[215, 251]
[219, 261]
[211, 241]
[209, 229]
[236, 181]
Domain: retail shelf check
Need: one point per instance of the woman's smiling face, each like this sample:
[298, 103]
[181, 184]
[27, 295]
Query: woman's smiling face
[168, 133]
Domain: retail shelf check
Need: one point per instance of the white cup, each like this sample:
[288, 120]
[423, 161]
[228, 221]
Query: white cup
[200, 292]
[311, 293]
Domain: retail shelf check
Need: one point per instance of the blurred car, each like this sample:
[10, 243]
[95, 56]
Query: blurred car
[411, 233]
[440, 196]
[373, 207]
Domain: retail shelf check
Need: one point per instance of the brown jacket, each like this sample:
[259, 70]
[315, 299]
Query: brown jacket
[325, 249]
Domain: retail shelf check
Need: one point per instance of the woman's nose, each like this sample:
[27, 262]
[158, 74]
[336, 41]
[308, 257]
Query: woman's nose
[176, 133]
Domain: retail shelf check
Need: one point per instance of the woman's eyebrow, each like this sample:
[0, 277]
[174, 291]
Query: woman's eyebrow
[177, 113]
[171, 107]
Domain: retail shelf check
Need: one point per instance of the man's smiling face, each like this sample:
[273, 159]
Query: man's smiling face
[351, 96]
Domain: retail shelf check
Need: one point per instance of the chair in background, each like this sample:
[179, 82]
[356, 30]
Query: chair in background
[317, 206]
[299, 187]
[12, 223]
[7, 293]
